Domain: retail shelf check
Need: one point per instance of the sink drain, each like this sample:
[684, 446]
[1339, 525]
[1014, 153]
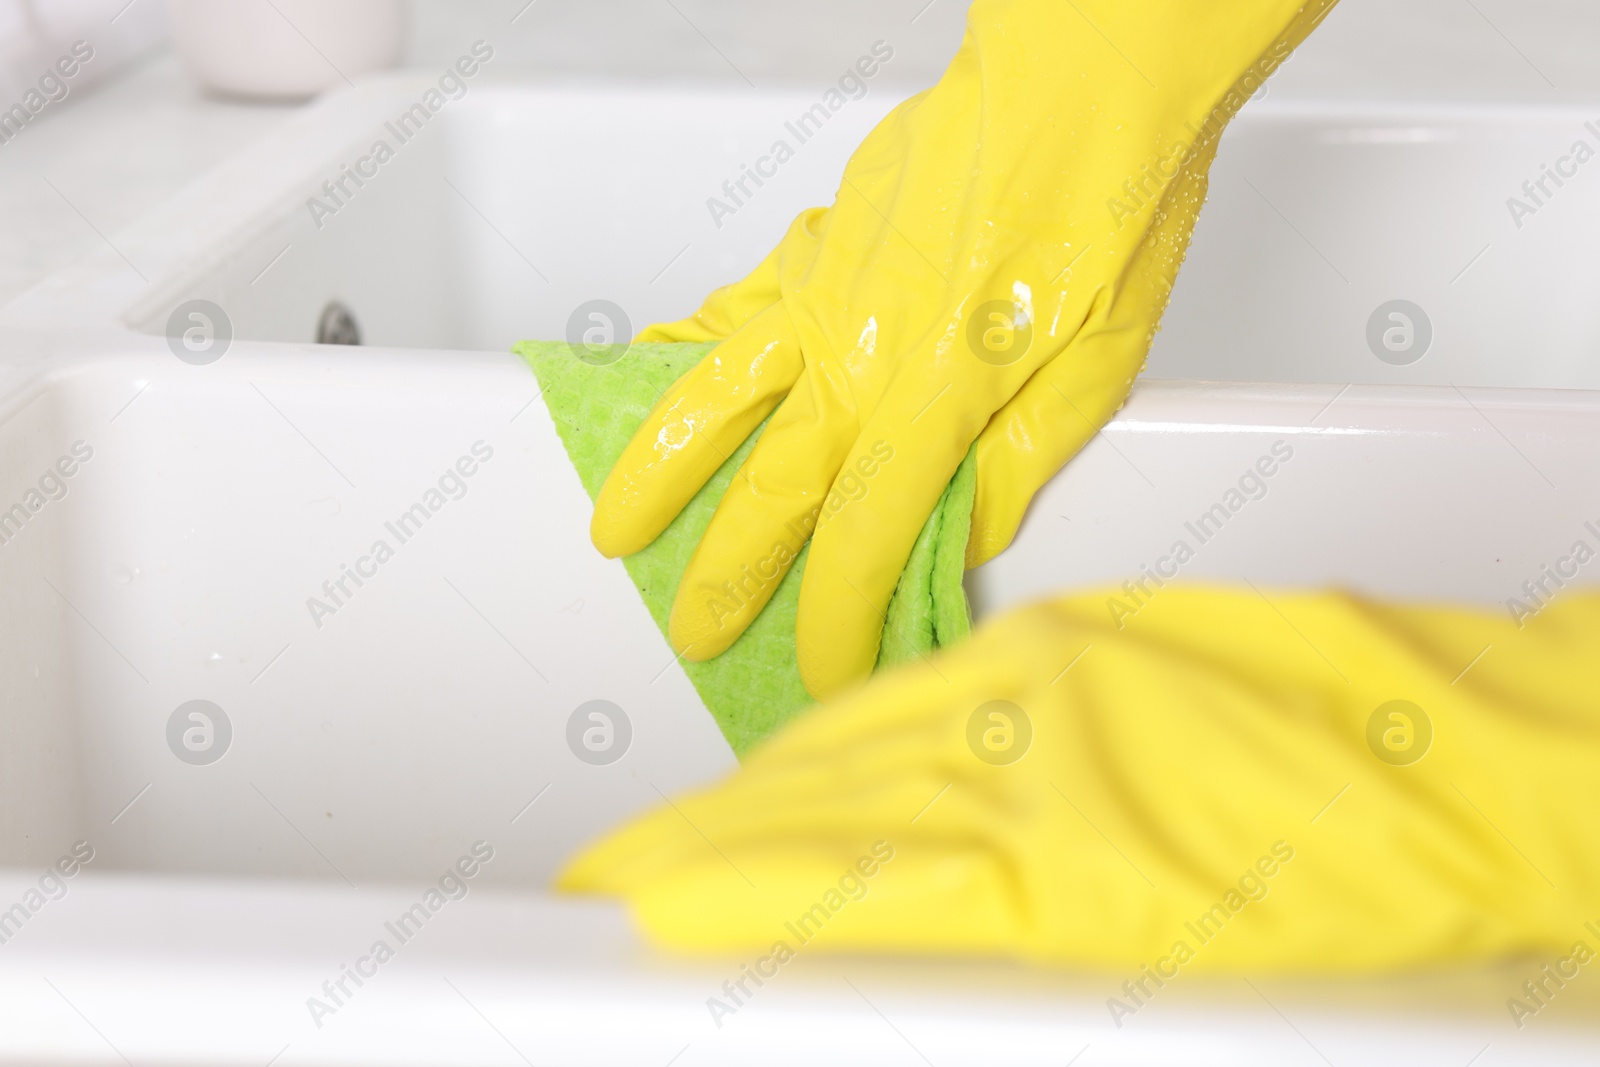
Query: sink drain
[337, 326]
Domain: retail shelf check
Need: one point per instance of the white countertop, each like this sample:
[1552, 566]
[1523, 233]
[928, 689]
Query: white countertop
[107, 157]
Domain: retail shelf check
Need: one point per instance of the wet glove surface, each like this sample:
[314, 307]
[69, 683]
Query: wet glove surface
[599, 400]
[1224, 784]
[996, 263]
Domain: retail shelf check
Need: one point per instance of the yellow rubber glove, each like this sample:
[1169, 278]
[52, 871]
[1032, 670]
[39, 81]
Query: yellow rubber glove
[999, 256]
[1223, 784]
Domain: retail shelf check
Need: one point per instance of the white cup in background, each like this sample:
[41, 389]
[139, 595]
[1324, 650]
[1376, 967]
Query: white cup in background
[285, 49]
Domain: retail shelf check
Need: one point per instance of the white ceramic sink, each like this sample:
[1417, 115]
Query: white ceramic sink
[372, 748]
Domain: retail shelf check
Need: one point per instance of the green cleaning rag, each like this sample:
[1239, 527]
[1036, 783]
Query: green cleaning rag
[597, 402]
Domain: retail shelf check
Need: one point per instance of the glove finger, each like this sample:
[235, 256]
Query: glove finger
[879, 502]
[1066, 402]
[731, 307]
[1043, 427]
[762, 522]
[693, 430]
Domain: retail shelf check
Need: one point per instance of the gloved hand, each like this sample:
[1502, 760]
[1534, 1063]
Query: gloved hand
[1226, 773]
[996, 262]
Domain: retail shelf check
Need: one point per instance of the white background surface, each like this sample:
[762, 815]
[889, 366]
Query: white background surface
[115, 150]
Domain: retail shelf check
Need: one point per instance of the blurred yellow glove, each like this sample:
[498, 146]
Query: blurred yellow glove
[999, 256]
[1223, 784]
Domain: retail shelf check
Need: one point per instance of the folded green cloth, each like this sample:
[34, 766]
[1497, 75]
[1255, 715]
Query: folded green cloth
[753, 687]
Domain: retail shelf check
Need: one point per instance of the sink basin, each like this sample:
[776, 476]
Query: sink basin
[359, 738]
